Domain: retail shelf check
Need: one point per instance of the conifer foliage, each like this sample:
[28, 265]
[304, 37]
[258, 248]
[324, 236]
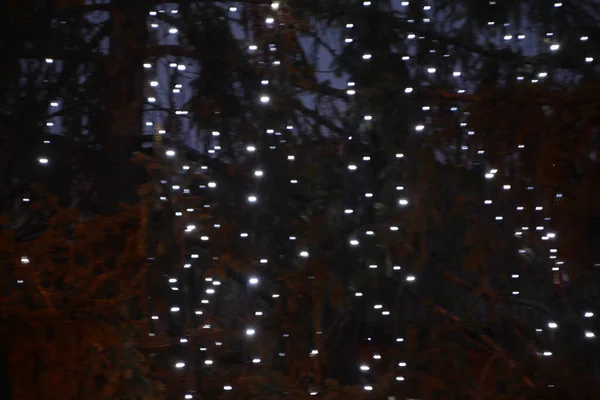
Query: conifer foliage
[73, 305]
[335, 199]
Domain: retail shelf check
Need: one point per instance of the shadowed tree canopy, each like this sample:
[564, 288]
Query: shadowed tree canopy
[425, 214]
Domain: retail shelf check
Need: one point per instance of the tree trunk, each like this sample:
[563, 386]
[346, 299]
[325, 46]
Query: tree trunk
[5, 382]
[124, 103]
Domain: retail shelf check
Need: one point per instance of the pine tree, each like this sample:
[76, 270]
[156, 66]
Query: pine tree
[73, 304]
[314, 235]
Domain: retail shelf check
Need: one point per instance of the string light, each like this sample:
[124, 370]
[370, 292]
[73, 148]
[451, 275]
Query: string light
[350, 212]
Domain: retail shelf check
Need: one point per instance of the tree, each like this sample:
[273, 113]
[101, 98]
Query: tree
[361, 217]
[73, 304]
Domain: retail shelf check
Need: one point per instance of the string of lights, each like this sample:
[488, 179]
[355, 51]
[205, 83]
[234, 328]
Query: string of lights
[207, 219]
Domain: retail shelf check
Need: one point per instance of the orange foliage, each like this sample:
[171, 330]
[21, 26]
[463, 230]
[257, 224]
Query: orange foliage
[68, 298]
